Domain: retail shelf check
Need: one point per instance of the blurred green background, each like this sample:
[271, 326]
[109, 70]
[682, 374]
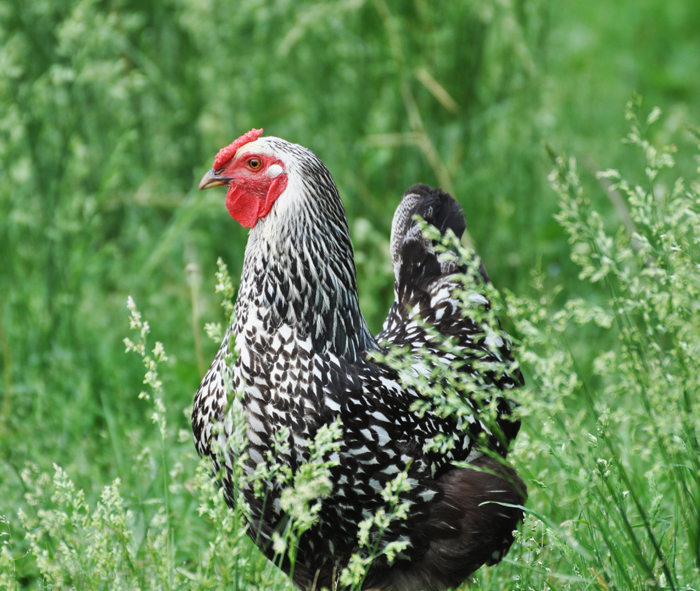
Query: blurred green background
[111, 110]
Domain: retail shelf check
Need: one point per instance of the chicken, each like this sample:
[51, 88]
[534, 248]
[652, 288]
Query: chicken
[305, 356]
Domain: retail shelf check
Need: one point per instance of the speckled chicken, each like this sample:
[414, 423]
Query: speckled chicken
[305, 358]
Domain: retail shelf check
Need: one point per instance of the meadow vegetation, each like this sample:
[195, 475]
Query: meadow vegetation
[110, 111]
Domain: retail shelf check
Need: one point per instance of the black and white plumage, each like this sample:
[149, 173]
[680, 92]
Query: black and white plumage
[304, 358]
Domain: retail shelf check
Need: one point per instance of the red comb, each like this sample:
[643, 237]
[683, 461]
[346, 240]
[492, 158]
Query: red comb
[225, 154]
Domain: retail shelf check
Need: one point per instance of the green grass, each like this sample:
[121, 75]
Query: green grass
[110, 112]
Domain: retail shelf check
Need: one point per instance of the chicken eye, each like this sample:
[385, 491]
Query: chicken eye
[254, 163]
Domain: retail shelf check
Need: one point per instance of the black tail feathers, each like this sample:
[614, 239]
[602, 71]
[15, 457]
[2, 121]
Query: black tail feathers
[413, 257]
[438, 208]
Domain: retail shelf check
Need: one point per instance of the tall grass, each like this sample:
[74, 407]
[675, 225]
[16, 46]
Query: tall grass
[611, 456]
[618, 496]
[110, 110]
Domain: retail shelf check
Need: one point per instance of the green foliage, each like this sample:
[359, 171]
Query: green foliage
[111, 110]
[370, 535]
[111, 546]
[614, 486]
[627, 486]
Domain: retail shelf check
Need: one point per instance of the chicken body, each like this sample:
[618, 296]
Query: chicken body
[304, 358]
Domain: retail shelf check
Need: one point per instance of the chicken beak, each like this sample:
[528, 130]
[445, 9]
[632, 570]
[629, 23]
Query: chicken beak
[211, 179]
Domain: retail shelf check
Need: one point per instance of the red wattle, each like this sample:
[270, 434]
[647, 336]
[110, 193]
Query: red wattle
[248, 202]
[242, 206]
